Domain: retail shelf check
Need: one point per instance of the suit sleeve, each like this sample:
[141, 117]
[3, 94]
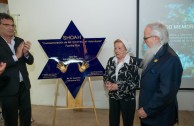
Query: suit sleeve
[30, 59]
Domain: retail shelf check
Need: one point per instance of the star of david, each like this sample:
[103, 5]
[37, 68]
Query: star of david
[72, 58]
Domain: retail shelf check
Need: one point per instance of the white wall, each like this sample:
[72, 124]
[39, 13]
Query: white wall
[48, 19]
[4, 8]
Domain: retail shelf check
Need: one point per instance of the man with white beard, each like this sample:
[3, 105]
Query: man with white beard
[160, 79]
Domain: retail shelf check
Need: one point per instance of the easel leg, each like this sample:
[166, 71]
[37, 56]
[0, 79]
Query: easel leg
[92, 95]
[55, 102]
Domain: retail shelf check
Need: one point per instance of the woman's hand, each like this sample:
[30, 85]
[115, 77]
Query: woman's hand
[108, 85]
[114, 87]
[111, 86]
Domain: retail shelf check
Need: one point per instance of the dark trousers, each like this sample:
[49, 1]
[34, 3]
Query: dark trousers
[126, 108]
[17, 104]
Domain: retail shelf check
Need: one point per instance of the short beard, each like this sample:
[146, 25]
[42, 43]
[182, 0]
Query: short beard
[149, 54]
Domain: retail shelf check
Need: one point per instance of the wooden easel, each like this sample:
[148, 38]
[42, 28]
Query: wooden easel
[74, 103]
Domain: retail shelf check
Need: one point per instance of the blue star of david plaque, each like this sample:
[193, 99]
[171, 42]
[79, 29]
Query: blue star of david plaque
[72, 58]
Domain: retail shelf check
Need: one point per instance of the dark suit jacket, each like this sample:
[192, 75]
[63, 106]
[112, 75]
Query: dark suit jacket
[10, 78]
[159, 85]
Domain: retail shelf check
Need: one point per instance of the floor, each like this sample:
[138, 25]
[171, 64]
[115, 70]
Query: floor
[43, 116]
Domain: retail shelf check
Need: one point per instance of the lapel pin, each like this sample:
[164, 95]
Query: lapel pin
[155, 60]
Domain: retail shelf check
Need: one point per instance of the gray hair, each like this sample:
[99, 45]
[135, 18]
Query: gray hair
[127, 44]
[159, 30]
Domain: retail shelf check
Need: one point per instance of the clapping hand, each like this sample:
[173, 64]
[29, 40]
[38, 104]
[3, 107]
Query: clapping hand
[26, 48]
[19, 51]
[2, 67]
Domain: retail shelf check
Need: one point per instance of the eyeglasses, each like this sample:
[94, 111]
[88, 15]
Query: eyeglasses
[8, 25]
[145, 38]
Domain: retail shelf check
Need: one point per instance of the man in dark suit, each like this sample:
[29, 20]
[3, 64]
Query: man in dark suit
[15, 89]
[160, 79]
